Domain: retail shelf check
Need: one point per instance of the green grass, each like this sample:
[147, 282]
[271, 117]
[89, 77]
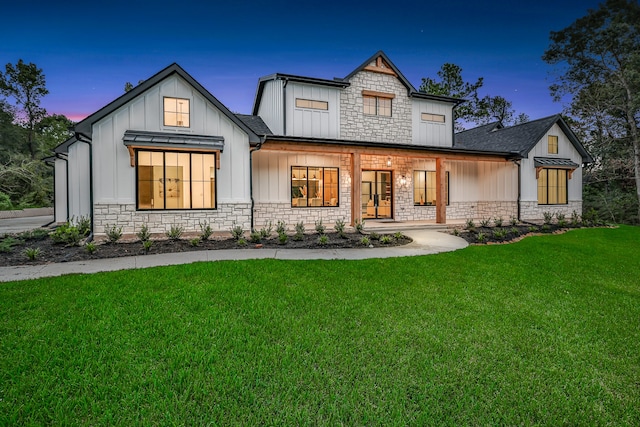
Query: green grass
[545, 331]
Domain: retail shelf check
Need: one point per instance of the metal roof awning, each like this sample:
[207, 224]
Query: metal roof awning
[551, 163]
[133, 139]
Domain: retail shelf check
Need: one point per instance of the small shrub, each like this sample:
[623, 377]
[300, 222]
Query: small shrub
[175, 232]
[548, 217]
[143, 234]
[533, 229]
[236, 231]
[575, 219]
[7, 244]
[339, 227]
[320, 228]
[66, 234]
[456, 232]
[281, 228]
[470, 225]
[205, 230]
[32, 253]
[84, 225]
[561, 218]
[282, 238]
[481, 237]
[485, 222]
[500, 234]
[195, 241]
[323, 240]
[365, 241]
[545, 228]
[146, 245]
[255, 236]
[35, 234]
[299, 231]
[497, 221]
[514, 231]
[359, 224]
[91, 248]
[265, 232]
[114, 233]
[5, 202]
[242, 242]
[398, 235]
[385, 240]
[374, 236]
[514, 221]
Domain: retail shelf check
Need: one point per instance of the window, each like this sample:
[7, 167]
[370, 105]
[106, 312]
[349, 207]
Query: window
[377, 105]
[314, 186]
[428, 117]
[176, 112]
[311, 104]
[176, 180]
[552, 187]
[424, 188]
[553, 144]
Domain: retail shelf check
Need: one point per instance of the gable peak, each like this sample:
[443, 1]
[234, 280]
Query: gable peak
[380, 65]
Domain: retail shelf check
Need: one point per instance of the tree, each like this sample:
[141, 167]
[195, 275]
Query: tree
[26, 84]
[51, 131]
[11, 135]
[598, 60]
[475, 109]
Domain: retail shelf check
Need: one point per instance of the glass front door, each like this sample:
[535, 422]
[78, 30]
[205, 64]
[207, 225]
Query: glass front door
[376, 194]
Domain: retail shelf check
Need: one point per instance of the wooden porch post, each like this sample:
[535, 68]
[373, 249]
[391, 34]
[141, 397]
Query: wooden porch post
[356, 187]
[441, 193]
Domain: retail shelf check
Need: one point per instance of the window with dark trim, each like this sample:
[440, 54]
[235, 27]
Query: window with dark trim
[311, 104]
[175, 180]
[314, 187]
[553, 144]
[552, 187]
[377, 105]
[176, 112]
[424, 188]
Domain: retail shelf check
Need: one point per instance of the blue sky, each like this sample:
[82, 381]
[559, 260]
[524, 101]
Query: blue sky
[88, 50]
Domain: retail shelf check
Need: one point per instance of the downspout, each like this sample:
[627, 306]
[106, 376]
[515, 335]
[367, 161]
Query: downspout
[54, 193]
[284, 106]
[251, 151]
[88, 141]
[517, 163]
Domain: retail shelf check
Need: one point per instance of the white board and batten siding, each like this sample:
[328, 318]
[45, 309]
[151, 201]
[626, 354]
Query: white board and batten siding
[314, 123]
[431, 133]
[114, 181]
[482, 181]
[60, 199]
[271, 108]
[566, 150]
[79, 187]
[272, 173]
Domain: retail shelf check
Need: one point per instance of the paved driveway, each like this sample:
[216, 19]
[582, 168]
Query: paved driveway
[17, 225]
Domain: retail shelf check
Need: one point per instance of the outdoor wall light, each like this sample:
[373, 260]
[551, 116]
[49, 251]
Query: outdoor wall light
[403, 181]
[389, 161]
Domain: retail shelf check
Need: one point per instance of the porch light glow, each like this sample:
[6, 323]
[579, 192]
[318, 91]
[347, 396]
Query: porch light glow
[389, 161]
[403, 181]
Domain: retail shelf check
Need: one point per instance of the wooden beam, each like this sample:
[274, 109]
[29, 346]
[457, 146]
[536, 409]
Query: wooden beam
[441, 194]
[356, 188]
[378, 94]
[380, 70]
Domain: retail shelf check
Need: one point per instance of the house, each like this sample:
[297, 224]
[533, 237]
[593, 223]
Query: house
[366, 146]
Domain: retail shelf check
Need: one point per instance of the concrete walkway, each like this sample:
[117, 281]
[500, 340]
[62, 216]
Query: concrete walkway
[425, 242]
[20, 224]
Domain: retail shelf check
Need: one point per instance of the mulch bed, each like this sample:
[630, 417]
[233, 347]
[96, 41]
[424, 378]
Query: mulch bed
[508, 233]
[49, 252]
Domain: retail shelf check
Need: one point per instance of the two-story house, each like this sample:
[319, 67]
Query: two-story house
[366, 146]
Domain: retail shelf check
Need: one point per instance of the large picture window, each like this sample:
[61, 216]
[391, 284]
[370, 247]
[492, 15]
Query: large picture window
[314, 187]
[424, 188]
[552, 187]
[176, 180]
[176, 112]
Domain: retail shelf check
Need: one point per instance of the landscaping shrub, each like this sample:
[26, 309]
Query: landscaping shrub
[113, 232]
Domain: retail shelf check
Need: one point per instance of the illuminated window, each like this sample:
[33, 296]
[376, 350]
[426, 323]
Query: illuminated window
[377, 105]
[176, 112]
[552, 187]
[553, 144]
[314, 187]
[424, 188]
[176, 180]
[428, 117]
[311, 104]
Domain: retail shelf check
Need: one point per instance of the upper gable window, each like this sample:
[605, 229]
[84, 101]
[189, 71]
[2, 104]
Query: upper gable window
[312, 104]
[553, 144]
[176, 112]
[376, 103]
[437, 118]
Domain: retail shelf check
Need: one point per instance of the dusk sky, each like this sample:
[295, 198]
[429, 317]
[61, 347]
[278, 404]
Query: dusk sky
[88, 50]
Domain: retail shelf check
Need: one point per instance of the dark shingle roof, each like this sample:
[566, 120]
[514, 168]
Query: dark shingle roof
[516, 139]
[255, 123]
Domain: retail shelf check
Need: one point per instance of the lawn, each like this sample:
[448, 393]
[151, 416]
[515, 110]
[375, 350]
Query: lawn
[545, 331]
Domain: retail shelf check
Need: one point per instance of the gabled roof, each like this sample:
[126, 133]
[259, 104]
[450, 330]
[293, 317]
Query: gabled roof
[255, 123]
[518, 139]
[63, 148]
[85, 126]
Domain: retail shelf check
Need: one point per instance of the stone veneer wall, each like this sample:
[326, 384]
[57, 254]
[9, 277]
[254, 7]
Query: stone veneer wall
[356, 125]
[483, 210]
[160, 222]
[274, 212]
[532, 211]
